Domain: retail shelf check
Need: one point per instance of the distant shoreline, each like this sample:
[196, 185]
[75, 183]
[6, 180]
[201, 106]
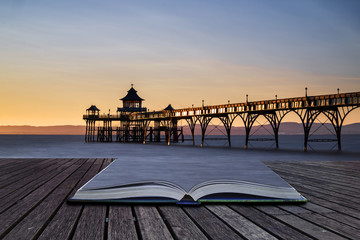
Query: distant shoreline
[286, 128]
[43, 130]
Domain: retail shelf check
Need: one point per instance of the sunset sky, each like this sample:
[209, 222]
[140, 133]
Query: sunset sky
[59, 57]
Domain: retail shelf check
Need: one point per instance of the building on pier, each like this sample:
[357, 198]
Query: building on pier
[131, 102]
[129, 129]
[93, 111]
[169, 108]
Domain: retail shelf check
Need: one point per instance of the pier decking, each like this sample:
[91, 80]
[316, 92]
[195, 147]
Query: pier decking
[33, 194]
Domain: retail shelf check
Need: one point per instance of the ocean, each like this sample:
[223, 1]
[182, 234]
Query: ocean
[349, 143]
[73, 146]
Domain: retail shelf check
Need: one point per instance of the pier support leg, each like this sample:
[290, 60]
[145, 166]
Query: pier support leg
[247, 135]
[110, 132]
[151, 134]
[182, 135]
[93, 132]
[174, 130]
[274, 118]
[339, 141]
[248, 119]
[228, 121]
[144, 136]
[202, 138]
[126, 134]
[337, 118]
[306, 137]
[168, 136]
[86, 130]
[133, 135]
[90, 131]
[204, 123]
[145, 126]
[307, 117]
[157, 132]
[192, 122]
[168, 129]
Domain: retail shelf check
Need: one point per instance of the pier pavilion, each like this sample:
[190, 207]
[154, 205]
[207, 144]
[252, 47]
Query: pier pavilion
[137, 124]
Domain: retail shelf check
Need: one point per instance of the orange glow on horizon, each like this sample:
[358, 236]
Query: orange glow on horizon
[47, 98]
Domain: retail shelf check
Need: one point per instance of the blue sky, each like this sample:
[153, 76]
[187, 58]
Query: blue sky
[212, 50]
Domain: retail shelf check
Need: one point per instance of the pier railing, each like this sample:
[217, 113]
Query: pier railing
[334, 100]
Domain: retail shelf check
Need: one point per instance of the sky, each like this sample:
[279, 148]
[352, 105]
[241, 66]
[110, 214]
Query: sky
[59, 57]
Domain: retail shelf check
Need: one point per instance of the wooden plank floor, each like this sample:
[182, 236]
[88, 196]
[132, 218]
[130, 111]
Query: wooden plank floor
[33, 194]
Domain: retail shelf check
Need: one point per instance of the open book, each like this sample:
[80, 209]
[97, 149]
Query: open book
[187, 180]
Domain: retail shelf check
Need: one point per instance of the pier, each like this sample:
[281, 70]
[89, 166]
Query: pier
[136, 124]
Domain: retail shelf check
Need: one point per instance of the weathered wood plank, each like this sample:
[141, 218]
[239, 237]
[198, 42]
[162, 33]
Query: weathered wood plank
[12, 215]
[17, 173]
[316, 208]
[277, 228]
[210, 224]
[22, 192]
[335, 197]
[335, 213]
[151, 224]
[300, 224]
[320, 176]
[181, 225]
[35, 220]
[330, 203]
[62, 224]
[121, 223]
[329, 213]
[329, 177]
[319, 199]
[243, 226]
[291, 176]
[6, 163]
[350, 166]
[325, 187]
[334, 206]
[327, 167]
[345, 219]
[323, 168]
[12, 162]
[325, 222]
[329, 188]
[32, 176]
[316, 180]
[91, 223]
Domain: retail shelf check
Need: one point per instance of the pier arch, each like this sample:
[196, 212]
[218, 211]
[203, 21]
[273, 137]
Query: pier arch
[266, 121]
[291, 125]
[238, 132]
[334, 116]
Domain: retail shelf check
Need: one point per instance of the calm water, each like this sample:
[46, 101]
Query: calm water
[45, 146]
[350, 143]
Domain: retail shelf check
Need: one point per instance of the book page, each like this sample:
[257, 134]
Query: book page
[185, 167]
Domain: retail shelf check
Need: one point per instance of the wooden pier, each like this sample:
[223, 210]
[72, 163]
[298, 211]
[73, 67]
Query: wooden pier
[34, 192]
[137, 124]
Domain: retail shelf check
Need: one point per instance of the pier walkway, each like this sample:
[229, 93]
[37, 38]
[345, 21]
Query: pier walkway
[34, 192]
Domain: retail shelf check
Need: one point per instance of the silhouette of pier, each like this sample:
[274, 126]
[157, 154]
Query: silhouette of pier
[137, 124]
